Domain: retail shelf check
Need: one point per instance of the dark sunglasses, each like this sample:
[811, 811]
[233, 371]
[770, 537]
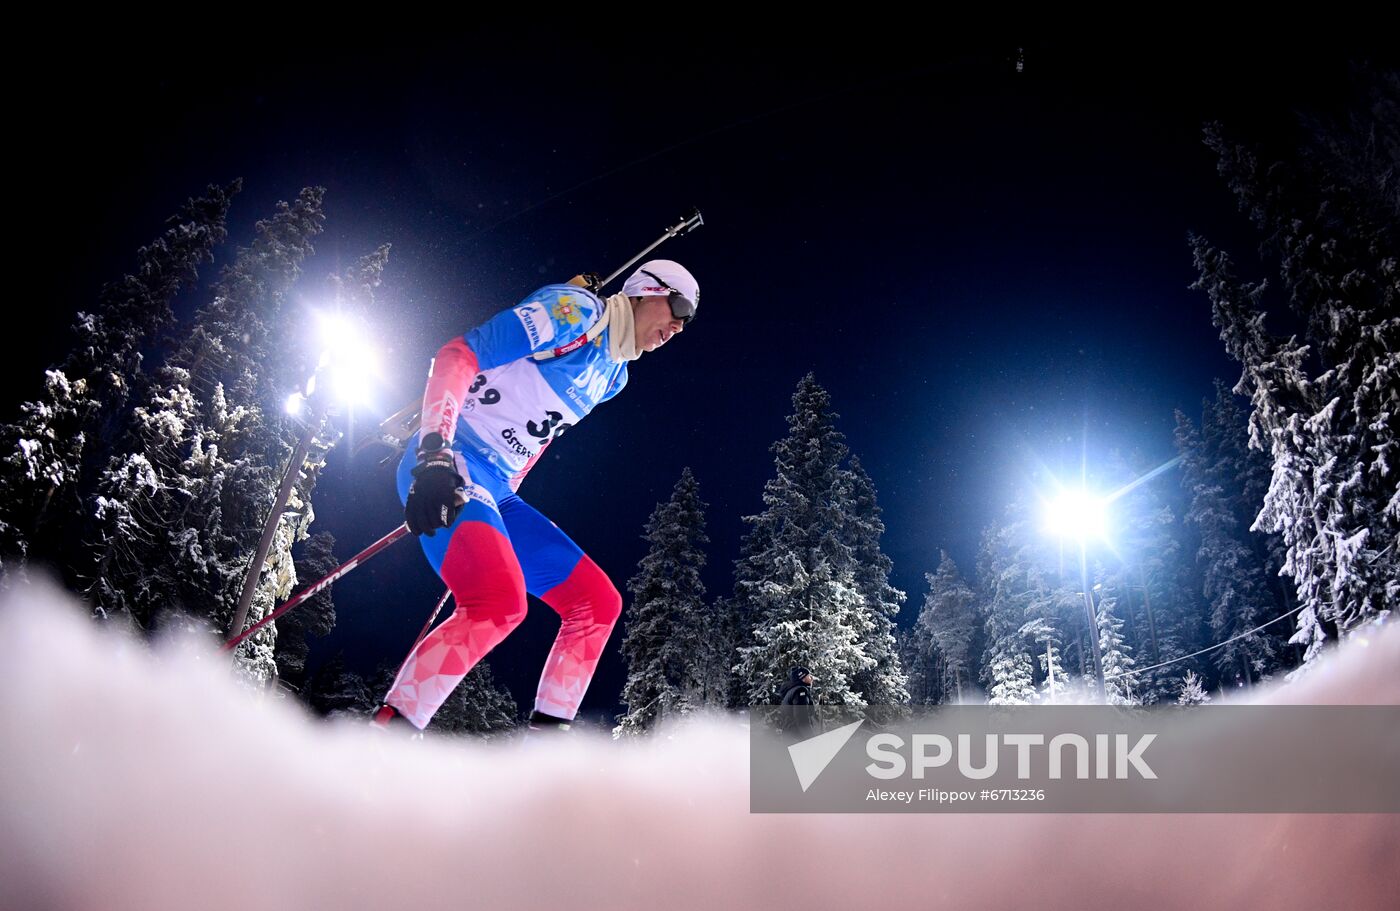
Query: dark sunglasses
[682, 307]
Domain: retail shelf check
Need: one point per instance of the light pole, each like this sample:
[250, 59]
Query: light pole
[1078, 515]
[339, 374]
[284, 493]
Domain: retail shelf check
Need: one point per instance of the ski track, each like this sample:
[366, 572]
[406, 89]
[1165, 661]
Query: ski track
[139, 778]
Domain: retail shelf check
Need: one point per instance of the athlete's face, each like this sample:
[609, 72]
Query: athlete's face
[653, 323]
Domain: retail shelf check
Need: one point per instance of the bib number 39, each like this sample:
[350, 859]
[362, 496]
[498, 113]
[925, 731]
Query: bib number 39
[552, 426]
[489, 397]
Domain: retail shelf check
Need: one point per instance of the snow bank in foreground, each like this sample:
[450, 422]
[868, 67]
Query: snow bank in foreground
[139, 779]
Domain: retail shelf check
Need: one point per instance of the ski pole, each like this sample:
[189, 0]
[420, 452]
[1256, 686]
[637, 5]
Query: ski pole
[437, 610]
[305, 593]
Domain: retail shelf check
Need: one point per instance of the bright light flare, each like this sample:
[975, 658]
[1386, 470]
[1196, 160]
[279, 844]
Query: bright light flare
[295, 401]
[348, 361]
[344, 341]
[350, 386]
[1078, 515]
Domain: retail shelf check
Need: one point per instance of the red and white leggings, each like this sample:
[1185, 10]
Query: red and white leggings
[499, 548]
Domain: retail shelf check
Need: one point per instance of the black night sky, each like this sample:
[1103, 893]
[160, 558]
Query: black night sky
[986, 268]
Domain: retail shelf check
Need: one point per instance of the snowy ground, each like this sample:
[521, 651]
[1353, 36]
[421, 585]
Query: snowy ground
[133, 779]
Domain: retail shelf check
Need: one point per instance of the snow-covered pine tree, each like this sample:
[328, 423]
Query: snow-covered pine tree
[885, 683]
[1055, 686]
[60, 440]
[1119, 689]
[479, 706]
[1232, 575]
[1149, 576]
[181, 507]
[673, 661]
[949, 615]
[731, 629]
[1192, 691]
[315, 616]
[739, 608]
[1012, 679]
[1291, 423]
[920, 660]
[795, 583]
[1245, 474]
[334, 691]
[1005, 570]
[1331, 216]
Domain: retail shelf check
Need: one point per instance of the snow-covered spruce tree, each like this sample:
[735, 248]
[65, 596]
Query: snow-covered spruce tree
[1149, 575]
[795, 582]
[1325, 410]
[53, 450]
[1192, 691]
[1005, 571]
[731, 629]
[1244, 473]
[1012, 677]
[949, 616]
[1288, 419]
[1044, 640]
[1232, 574]
[479, 707]
[181, 508]
[1055, 686]
[920, 660]
[738, 609]
[334, 691]
[1056, 618]
[1119, 688]
[669, 644]
[314, 617]
[885, 682]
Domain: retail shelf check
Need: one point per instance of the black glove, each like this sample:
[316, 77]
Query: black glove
[438, 492]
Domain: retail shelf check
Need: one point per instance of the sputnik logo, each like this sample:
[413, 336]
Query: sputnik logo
[810, 757]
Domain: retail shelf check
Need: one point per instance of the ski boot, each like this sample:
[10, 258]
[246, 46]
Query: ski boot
[541, 728]
[387, 718]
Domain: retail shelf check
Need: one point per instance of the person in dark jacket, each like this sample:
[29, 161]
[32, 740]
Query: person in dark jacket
[800, 717]
[797, 692]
